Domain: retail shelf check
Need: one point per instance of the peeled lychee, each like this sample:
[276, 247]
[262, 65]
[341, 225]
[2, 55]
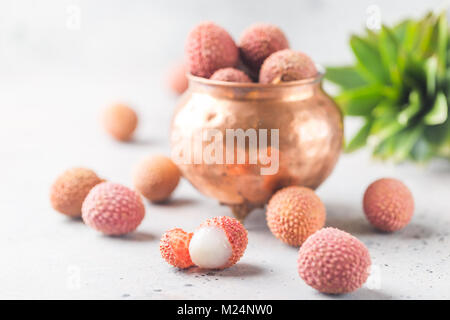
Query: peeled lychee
[333, 261]
[156, 177]
[113, 209]
[388, 204]
[294, 213]
[71, 188]
[286, 65]
[120, 121]
[174, 248]
[230, 75]
[209, 47]
[258, 42]
[218, 243]
[176, 78]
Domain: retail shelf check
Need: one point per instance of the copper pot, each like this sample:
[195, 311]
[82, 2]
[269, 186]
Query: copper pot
[310, 137]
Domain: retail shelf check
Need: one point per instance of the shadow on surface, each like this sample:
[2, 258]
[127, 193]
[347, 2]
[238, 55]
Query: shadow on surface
[363, 294]
[348, 218]
[137, 236]
[256, 221]
[175, 202]
[238, 270]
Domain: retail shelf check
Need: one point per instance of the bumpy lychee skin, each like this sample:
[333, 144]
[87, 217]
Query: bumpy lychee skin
[113, 209]
[208, 48]
[230, 75]
[286, 65]
[120, 121]
[258, 42]
[156, 177]
[388, 204]
[218, 243]
[333, 261]
[70, 189]
[294, 213]
[176, 78]
[174, 248]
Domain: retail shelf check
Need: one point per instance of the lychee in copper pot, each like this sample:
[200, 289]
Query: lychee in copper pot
[310, 134]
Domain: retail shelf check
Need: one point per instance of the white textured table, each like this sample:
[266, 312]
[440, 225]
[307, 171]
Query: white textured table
[53, 83]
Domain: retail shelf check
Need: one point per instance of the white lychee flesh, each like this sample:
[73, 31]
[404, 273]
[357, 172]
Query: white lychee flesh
[209, 248]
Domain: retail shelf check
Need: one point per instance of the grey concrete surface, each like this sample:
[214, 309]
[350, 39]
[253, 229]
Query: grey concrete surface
[54, 81]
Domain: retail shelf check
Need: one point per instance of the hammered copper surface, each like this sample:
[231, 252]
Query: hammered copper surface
[310, 136]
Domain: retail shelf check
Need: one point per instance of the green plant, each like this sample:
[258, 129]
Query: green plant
[400, 86]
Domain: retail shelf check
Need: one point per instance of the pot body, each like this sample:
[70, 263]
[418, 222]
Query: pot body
[310, 135]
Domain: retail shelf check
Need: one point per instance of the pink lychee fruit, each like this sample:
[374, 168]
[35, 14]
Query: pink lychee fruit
[70, 189]
[333, 261]
[258, 42]
[230, 75]
[176, 78]
[113, 209]
[208, 48]
[286, 65]
[174, 248]
[218, 243]
[294, 213]
[388, 204]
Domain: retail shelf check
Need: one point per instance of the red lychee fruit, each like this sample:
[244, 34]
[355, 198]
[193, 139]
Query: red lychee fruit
[218, 243]
[286, 65]
[120, 121]
[258, 42]
[230, 75]
[174, 248]
[70, 189]
[113, 209]
[333, 261]
[388, 204]
[294, 213]
[176, 78]
[156, 177]
[208, 48]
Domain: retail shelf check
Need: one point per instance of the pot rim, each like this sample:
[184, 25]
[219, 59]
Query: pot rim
[255, 85]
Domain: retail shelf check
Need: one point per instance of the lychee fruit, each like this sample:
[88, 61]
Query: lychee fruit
[176, 78]
[333, 261]
[70, 189]
[230, 75]
[294, 213]
[208, 48]
[388, 204]
[218, 243]
[113, 209]
[174, 248]
[258, 42]
[156, 177]
[286, 65]
[120, 121]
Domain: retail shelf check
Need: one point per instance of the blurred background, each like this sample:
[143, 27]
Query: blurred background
[63, 61]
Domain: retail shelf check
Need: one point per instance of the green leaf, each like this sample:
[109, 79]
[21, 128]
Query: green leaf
[346, 77]
[442, 27]
[383, 128]
[436, 135]
[421, 150]
[369, 59]
[405, 141]
[439, 113]
[388, 48]
[360, 101]
[360, 139]
[384, 109]
[431, 68]
[411, 110]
